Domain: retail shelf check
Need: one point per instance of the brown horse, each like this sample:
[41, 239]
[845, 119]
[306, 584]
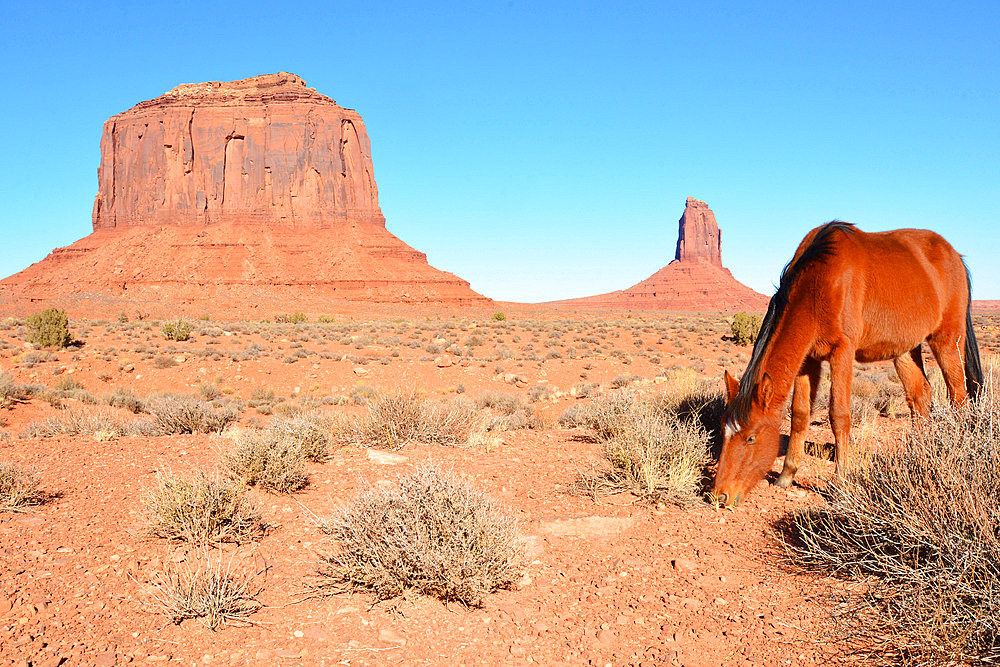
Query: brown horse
[846, 295]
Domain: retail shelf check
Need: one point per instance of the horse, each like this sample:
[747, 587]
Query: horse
[845, 296]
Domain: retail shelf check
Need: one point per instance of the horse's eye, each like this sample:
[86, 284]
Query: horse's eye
[752, 439]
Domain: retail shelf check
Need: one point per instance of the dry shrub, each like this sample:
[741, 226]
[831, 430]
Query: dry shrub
[506, 412]
[655, 447]
[202, 510]
[100, 422]
[269, 458]
[212, 593]
[310, 431]
[397, 419]
[920, 527]
[124, 398]
[181, 413]
[12, 392]
[435, 535]
[18, 487]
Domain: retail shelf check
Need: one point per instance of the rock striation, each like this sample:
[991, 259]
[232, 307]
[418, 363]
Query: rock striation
[265, 149]
[694, 281]
[236, 196]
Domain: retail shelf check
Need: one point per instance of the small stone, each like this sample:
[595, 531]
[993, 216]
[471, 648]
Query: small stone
[106, 660]
[298, 633]
[517, 651]
[391, 636]
[605, 637]
[684, 565]
[385, 458]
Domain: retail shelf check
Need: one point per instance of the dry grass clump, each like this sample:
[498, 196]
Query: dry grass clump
[435, 535]
[272, 459]
[18, 487]
[311, 431]
[214, 594]
[655, 447]
[397, 419]
[507, 412]
[12, 392]
[99, 422]
[181, 413]
[202, 510]
[920, 527]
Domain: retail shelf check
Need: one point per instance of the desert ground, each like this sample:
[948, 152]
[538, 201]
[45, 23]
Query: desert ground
[620, 579]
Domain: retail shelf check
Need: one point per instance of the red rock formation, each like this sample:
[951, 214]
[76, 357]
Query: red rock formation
[235, 195]
[265, 149]
[694, 281]
[698, 235]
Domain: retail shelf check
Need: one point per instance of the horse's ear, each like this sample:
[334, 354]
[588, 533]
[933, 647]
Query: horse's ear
[732, 386]
[765, 390]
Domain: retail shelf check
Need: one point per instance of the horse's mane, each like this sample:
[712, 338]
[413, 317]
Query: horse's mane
[819, 246]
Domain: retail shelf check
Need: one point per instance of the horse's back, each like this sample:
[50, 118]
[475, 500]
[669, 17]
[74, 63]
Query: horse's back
[889, 290]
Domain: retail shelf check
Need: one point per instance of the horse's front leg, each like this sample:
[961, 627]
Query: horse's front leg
[803, 397]
[841, 374]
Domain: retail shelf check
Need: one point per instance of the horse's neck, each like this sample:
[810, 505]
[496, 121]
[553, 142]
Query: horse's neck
[791, 341]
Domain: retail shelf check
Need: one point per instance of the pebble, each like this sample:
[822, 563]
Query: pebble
[391, 636]
[684, 565]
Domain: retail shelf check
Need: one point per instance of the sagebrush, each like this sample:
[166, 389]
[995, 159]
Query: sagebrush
[201, 509]
[434, 534]
[920, 526]
[48, 328]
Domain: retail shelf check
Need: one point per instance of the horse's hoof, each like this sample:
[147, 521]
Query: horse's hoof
[784, 481]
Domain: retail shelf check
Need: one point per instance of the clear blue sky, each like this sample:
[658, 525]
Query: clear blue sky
[545, 150]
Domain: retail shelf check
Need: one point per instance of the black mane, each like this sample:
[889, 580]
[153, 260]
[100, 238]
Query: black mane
[820, 246]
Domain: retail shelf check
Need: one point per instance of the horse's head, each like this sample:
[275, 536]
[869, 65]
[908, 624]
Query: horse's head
[750, 443]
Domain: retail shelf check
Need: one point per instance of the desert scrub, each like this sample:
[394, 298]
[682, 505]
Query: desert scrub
[397, 419]
[210, 592]
[310, 431]
[268, 458]
[102, 423]
[744, 328]
[18, 487]
[201, 509]
[182, 413]
[434, 534]
[48, 328]
[507, 412]
[178, 330]
[919, 526]
[655, 447]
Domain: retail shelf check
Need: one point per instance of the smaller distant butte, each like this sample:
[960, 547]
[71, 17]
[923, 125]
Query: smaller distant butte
[695, 280]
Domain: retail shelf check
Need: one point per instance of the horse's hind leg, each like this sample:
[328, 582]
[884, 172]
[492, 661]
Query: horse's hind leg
[910, 369]
[947, 347]
[803, 397]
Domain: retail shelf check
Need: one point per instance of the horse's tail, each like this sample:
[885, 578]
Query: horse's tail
[973, 365]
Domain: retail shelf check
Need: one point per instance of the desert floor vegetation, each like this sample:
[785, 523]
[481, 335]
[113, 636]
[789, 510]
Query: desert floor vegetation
[167, 470]
[18, 487]
[919, 526]
[433, 534]
[201, 509]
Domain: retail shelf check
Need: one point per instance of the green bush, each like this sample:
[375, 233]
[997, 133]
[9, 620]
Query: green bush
[178, 330]
[49, 328]
[294, 318]
[499, 316]
[745, 328]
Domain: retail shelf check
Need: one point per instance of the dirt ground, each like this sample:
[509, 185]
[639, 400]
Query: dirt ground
[613, 581]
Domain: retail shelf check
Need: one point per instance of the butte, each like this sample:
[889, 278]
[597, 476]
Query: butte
[694, 281]
[246, 197]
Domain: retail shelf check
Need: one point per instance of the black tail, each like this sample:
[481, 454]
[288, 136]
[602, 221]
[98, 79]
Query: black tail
[973, 365]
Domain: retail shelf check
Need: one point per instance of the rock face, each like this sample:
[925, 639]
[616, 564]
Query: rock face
[236, 196]
[698, 235]
[694, 281]
[265, 149]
